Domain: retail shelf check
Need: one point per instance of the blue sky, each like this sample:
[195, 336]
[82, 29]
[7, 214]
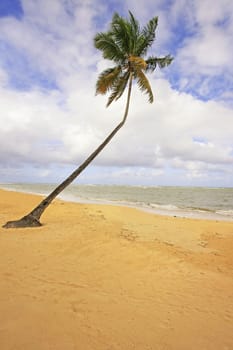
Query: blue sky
[51, 119]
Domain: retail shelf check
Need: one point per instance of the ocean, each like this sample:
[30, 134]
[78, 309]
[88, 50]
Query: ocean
[192, 202]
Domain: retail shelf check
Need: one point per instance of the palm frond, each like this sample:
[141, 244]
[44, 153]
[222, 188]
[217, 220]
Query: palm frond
[135, 32]
[106, 43]
[162, 62]
[147, 36]
[149, 30]
[123, 81]
[118, 87]
[144, 84]
[134, 24]
[107, 79]
[121, 32]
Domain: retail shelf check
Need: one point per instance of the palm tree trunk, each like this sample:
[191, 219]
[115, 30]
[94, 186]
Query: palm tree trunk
[33, 218]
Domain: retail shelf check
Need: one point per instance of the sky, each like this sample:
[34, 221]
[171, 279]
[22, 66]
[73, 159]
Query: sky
[51, 120]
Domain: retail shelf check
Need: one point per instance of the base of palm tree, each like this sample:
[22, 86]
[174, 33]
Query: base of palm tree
[26, 221]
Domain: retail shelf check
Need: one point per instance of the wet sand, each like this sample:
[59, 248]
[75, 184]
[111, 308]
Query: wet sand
[99, 277]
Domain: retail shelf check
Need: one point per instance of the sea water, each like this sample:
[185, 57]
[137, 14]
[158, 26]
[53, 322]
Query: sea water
[196, 202]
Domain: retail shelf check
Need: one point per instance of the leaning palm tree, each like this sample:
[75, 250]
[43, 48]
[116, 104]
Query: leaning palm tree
[126, 44]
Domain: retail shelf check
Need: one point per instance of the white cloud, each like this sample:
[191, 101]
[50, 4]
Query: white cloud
[208, 52]
[3, 77]
[178, 133]
[204, 57]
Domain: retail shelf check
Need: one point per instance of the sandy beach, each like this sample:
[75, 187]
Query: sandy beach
[99, 277]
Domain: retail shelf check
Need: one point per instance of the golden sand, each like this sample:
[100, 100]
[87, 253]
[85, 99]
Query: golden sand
[98, 277]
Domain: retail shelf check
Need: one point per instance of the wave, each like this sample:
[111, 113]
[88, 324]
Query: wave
[225, 212]
[164, 206]
[172, 201]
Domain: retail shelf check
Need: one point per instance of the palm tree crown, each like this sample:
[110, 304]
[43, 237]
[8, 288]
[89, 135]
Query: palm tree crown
[126, 44]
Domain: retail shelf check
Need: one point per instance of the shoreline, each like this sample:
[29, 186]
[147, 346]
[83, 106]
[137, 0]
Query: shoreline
[199, 214]
[113, 277]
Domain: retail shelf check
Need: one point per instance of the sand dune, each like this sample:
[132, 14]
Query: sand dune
[98, 277]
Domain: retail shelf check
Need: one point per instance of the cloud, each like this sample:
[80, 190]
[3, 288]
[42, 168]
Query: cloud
[51, 119]
[204, 55]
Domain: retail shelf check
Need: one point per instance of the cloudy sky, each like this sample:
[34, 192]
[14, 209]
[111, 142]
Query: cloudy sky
[51, 120]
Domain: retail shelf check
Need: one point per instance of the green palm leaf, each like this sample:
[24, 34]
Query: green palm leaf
[135, 33]
[147, 36]
[121, 32]
[106, 43]
[162, 62]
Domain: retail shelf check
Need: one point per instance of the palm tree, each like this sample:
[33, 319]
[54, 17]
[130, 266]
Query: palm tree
[126, 44]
